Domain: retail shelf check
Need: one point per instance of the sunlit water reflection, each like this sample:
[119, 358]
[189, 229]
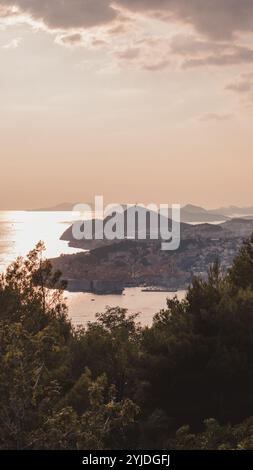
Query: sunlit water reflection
[20, 231]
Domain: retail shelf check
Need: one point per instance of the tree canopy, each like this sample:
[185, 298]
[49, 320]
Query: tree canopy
[184, 382]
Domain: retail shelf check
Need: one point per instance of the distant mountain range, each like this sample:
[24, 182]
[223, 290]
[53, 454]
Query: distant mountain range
[189, 213]
[233, 211]
[222, 229]
[63, 207]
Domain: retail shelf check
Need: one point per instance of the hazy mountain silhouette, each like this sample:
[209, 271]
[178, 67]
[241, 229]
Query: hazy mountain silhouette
[234, 211]
[62, 207]
[191, 213]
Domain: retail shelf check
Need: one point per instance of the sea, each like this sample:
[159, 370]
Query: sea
[19, 233]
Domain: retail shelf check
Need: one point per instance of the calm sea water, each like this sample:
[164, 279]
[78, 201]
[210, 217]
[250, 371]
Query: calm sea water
[19, 233]
[83, 307]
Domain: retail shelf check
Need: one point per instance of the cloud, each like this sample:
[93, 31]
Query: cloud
[217, 19]
[186, 51]
[7, 11]
[150, 54]
[13, 44]
[238, 55]
[244, 85]
[96, 42]
[120, 28]
[190, 45]
[130, 53]
[156, 65]
[199, 52]
[207, 117]
[72, 40]
[70, 14]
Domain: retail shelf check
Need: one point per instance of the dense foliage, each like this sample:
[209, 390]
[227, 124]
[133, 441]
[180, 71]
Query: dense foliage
[186, 382]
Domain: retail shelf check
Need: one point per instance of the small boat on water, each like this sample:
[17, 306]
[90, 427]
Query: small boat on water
[159, 289]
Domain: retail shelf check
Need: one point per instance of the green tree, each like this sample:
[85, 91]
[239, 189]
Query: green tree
[241, 273]
[44, 402]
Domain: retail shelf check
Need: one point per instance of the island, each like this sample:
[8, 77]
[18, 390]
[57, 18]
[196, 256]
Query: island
[106, 267]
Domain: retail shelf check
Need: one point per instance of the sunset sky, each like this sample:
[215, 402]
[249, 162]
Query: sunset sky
[138, 100]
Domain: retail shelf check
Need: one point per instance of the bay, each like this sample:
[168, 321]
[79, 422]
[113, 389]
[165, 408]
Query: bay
[19, 233]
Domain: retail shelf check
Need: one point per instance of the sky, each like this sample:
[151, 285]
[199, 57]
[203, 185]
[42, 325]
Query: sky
[136, 100]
